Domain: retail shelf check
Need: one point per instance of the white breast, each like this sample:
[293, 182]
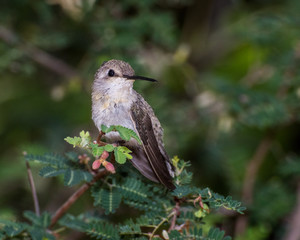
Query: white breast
[112, 109]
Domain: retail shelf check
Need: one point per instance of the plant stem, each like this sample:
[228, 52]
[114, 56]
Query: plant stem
[293, 223]
[33, 191]
[39, 56]
[73, 198]
[176, 212]
[100, 143]
[250, 177]
[157, 227]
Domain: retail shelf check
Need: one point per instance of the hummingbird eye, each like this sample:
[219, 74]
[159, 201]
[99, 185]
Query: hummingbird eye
[111, 73]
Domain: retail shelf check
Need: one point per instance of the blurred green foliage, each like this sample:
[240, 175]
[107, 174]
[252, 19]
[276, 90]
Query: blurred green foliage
[229, 83]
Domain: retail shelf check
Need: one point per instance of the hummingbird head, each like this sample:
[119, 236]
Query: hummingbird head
[117, 72]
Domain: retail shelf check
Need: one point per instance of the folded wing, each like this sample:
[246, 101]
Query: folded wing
[152, 162]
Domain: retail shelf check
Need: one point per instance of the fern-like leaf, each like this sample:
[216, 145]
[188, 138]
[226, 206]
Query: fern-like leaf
[42, 221]
[134, 189]
[107, 199]
[56, 165]
[151, 206]
[103, 231]
[217, 234]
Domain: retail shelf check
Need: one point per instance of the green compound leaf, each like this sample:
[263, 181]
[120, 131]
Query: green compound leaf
[37, 233]
[82, 141]
[55, 165]
[51, 171]
[96, 150]
[42, 221]
[125, 133]
[73, 177]
[109, 147]
[152, 207]
[73, 222]
[183, 191]
[106, 129]
[110, 200]
[75, 141]
[217, 234]
[121, 154]
[12, 229]
[103, 230]
[134, 189]
[85, 138]
[54, 160]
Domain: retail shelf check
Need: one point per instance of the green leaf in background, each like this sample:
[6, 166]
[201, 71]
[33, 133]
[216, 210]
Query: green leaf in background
[38, 234]
[50, 172]
[43, 221]
[217, 234]
[12, 229]
[73, 177]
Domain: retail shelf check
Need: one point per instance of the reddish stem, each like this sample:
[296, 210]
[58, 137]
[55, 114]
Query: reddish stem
[32, 186]
[73, 198]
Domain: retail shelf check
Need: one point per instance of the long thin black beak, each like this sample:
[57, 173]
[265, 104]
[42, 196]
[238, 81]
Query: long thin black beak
[135, 77]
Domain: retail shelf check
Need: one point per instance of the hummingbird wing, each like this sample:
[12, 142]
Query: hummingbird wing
[157, 165]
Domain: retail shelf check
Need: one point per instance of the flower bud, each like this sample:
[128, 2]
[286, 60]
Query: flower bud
[109, 166]
[96, 164]
[104, 155]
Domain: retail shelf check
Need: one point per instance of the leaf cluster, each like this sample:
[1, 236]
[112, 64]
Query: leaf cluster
[158, 210]
[121, 153]
[35, 228]
[68, 166]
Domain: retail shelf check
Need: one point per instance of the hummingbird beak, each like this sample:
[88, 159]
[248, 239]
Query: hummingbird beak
[135, 77]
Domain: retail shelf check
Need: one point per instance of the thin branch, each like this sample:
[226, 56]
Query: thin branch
[33, 191]
[293, 225]
[250, 177]
[157, 227]
[39, 56]
[260, 154]
[47, 60]
[253, 167]
[176, 213]
[73, 198]
[99, 138]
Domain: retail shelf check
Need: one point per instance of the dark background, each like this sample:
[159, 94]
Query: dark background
[228, 95]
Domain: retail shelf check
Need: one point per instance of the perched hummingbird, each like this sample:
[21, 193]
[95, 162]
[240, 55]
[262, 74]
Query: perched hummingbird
[115, 102]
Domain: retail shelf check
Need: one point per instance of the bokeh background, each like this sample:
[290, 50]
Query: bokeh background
[228, 95]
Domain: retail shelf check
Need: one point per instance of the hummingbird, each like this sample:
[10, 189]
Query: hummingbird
[115, 102]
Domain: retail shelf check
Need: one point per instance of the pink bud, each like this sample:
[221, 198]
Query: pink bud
[104, 155]
[96, 164]
[109, 167]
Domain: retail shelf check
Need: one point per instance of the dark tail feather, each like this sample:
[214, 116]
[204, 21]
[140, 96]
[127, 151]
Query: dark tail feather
[140, 162]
